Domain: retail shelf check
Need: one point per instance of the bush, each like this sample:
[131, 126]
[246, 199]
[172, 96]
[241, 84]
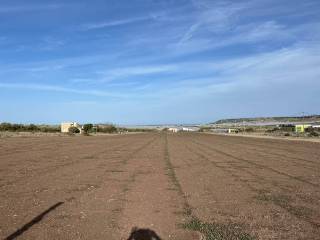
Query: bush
[204, 129]
[28, 128]
[138, 130]
[73, 130]
[87, 128]
[5, 127]
[107, 129]
[249, 129]
[271, 130]
[313, 134]
[50, 129]
[32, 128]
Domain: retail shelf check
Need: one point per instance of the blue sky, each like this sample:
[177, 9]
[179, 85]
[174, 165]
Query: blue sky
[152, 61]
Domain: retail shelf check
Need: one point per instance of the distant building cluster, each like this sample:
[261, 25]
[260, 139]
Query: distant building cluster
[298, 128]
[301, 128]
[183, 129]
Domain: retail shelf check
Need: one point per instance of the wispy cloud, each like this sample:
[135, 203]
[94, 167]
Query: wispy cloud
[215, 17]
[258, 32]
[108, 76]
[113, 23]
[120, 73]
[54, 88]
[219, 16]
[218, 56]
[219, 24]
[285, 69]
[189, 34]
[28, 8]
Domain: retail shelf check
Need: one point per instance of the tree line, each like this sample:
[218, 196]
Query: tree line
[87, 128]
[16, 127]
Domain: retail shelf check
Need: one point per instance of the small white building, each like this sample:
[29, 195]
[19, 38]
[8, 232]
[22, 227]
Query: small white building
[233, 130]
[66, 125]
[172, 129]
[190, 129]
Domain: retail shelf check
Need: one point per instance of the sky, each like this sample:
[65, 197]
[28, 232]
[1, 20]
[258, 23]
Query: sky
[158, 61]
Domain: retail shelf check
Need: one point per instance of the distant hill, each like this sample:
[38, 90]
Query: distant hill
[311, 118]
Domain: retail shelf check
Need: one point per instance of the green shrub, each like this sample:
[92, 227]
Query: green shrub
[107, 129]
[14, 127]
[5, 127]
[87, 128]
[73, 130]
[139, 129]
[49, 129]
[313, 134]
[32, 128]
[249, 129]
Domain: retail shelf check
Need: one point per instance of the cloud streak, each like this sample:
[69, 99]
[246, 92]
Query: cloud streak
[218, 56]
[266, 73]
[54, 88]
[144, 70]
[106, 24]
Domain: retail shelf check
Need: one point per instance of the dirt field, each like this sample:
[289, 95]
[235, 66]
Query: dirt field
[181, 186]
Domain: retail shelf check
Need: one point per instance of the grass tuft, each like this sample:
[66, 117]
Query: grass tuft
[214, 231]
[285, 202]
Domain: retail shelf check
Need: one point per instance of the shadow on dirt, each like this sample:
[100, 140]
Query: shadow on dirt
[32, 222]
[143, 234]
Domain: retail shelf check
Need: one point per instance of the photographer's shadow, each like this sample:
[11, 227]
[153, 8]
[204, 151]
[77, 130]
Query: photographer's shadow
[143, 234]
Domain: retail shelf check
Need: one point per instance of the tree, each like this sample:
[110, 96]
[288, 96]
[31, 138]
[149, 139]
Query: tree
[32, 128]
[73, 130]
[107, 129]
[87, 127]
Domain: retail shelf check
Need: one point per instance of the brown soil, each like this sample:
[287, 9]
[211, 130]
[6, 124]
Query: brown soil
[270, 136]
[181, 186]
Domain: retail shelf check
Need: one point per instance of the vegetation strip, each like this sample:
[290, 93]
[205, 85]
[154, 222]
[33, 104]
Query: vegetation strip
[284, 201]
[211, 231]
[215, 231]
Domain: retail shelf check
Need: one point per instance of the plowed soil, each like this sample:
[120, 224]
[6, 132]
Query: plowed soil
[181, 186]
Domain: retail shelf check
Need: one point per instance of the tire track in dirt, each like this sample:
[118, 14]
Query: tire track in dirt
[80, 161]
[121, 179]
[33, 147]
[75, 148]
[209, 231]
[224, 169]
[295, 146]
[257, 178]
[262, 193]
[262, 149]
[288, 151]
[70, 143]
[49, 170]
[299, 179]
[35, 158]
[152, 203]
[157, 181]
[86, 189]
[306, 171]
[284, 205]
[251, 162]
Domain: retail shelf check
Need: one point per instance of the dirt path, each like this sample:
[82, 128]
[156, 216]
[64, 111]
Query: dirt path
[181, 186]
